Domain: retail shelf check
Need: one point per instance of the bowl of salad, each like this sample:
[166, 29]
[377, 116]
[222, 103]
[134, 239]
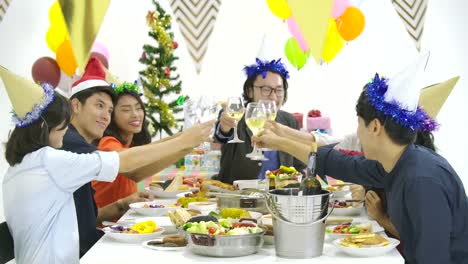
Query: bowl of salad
[285, 177]
[225, 238]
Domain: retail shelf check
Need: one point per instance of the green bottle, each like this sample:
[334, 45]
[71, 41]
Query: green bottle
[309, 184]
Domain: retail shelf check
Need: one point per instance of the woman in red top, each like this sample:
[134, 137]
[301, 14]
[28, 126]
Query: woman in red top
[128, 128]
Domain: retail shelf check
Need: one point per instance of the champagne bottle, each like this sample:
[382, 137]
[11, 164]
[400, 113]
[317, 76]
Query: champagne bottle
[309, 184]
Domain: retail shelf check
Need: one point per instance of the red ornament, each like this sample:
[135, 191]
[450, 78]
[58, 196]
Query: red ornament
[314, 113]
[175, 44]
[143, 56]
[167, 71]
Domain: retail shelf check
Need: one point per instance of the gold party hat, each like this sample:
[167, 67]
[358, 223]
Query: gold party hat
[433, 97]
[27, 98]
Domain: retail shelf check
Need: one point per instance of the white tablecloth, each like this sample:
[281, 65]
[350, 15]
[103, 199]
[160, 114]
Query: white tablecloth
[107, 250]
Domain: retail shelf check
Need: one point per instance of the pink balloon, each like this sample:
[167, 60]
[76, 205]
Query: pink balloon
[98, 47]
[339, 6]
[297, 34]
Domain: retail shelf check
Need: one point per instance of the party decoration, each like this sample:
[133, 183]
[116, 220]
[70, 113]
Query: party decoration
[181, 99]
[196, 21]
[297, 34]
[351, 23]
[312, 17]
[279, 8]
[66, 59]
[100, 48]
[264, 66]
[83, 20]
[57, 32]
[101, 58]
[46, 70]
[65, 83]
[413, 14]
[3, 8]
[339, 6]
[158, 79]
[333, 42]
[55, 36]
[295, 55]
[433, 97]
[29, 100]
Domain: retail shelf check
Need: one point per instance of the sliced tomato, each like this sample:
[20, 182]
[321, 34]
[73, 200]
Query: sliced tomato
[211, 230]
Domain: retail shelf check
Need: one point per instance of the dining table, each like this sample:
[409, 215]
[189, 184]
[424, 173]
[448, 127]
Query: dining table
[107, 250]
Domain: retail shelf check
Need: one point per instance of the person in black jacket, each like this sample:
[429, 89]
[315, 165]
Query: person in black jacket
[266, 80]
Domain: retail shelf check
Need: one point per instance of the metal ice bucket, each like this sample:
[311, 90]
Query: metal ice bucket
[298, 222]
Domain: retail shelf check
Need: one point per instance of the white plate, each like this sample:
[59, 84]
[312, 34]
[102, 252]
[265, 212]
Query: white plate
[348, 211]
[139, 208]
[160, 248]
[163, 194]
[376, 228]
[367, 251]
[132, 238]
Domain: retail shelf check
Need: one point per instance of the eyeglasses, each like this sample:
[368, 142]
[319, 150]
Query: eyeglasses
[267, 90]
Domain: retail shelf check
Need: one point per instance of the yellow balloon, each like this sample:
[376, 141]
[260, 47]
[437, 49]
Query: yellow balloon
[55, 14]
[279, 8]
[333, 42]
[55, 37]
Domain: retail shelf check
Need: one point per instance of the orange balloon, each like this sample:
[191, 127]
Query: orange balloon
[66, 59]
[351, 23]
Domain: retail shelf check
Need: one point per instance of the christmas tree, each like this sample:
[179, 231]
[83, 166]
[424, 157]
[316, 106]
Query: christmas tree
[158, 79]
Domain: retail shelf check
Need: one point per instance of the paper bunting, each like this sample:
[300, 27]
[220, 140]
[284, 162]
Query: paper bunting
[196, 19]
[413, 13]
[3, 8]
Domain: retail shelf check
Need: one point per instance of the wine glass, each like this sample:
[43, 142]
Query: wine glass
[255, 118]
[206, 110]
[271, 110]
[235, 110]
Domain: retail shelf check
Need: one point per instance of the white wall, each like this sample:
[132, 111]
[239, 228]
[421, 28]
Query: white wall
[384, 46]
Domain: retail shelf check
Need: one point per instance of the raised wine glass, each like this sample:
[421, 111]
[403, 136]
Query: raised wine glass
[235, 110]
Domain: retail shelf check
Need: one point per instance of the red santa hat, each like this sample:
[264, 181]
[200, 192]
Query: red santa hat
[93, 76]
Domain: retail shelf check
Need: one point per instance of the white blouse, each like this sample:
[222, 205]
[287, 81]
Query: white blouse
[39, 205]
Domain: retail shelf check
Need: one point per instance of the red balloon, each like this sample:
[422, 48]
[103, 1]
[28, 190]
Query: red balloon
[100, 57]
[46, 69]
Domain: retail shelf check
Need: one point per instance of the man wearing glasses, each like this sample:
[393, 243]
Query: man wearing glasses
[266, 80]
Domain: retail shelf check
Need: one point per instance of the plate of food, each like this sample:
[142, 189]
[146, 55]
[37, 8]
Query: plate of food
[174, 188]
[349, 229]
[134, 234]
[366, 245]
[167, 243]
[285, 177]
[154, 208]
[339, 191]
[347, 208]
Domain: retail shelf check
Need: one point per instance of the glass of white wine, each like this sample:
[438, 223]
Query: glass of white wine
[270, 108]
[255, 118]
[271, 111]
[235, 110]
